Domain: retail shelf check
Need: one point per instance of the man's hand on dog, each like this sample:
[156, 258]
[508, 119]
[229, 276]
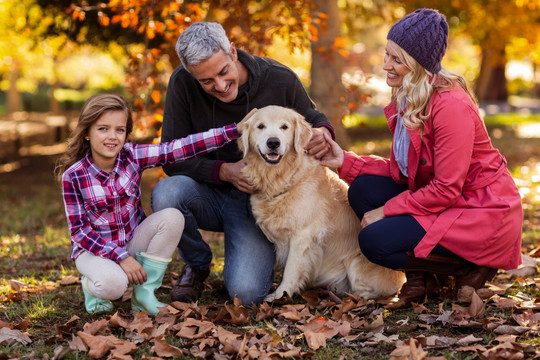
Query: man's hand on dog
[318, 146]
[232, 173]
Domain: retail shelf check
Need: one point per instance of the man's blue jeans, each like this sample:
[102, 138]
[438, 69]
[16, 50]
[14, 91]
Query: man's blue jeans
[249, 256]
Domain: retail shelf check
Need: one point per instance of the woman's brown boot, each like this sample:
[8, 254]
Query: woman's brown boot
[476, 278]
[414, 289]
[433, 285]
[421, 276]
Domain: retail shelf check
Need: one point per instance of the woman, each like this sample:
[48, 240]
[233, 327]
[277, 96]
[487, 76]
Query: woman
[444, 203]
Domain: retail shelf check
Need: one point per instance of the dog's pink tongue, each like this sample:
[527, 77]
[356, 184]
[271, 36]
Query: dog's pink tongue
[272, 156]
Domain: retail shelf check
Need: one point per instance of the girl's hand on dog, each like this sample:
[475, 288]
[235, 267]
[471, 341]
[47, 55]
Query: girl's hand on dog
[334, 157]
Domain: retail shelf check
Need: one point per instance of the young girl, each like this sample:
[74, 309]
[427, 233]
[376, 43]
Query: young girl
[114, 244]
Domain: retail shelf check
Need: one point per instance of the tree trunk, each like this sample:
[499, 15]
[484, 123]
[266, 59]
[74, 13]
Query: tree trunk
[535, 92]
[13, 95]
[491, 82]
[327, 89]
[54, 103]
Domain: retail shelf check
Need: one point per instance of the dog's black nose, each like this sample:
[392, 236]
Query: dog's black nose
[273, 143]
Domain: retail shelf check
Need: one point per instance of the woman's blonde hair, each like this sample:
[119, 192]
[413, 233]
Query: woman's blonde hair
[92, 110]
[418, 86]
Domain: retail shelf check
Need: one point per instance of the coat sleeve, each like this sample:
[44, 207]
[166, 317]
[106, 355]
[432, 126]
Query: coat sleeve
[453, 140]
[354, 166]
[183, 149]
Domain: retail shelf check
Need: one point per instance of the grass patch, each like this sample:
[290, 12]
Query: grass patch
[371, 121]
[509, 119]
[365, 121]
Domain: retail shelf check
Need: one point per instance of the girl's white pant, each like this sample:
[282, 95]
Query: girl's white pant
[157, 236]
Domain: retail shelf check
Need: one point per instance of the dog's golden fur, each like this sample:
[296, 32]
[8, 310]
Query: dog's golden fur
[302, 208]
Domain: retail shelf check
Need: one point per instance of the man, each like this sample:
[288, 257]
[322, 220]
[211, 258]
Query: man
[216, 85]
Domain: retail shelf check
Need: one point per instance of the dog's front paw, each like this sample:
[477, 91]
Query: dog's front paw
[274, 296]
[270, 297]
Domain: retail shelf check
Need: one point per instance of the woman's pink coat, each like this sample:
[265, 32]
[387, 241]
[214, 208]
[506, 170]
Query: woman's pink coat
[460, 190]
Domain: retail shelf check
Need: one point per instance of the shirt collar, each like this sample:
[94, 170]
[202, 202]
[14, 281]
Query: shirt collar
[93, 169]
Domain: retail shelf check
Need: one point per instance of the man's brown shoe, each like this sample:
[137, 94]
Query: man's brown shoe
[190, 284]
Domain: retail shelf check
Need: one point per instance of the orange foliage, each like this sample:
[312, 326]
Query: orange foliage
[251, 25]
[103, 19]
[156, 96]
[338, 47]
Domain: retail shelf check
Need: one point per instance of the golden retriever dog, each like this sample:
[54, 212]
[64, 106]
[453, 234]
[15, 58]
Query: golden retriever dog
[302, 208]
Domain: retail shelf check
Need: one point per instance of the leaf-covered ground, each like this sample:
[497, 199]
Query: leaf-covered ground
[42, 313]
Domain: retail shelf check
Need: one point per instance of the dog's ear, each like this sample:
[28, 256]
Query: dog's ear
[302, 133]
[246, 118]
[243, 128]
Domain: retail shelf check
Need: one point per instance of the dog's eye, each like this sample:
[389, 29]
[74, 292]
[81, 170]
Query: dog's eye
[260, 126]
[284, 127]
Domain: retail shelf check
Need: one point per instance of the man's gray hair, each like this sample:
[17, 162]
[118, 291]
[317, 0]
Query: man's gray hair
[200, 41]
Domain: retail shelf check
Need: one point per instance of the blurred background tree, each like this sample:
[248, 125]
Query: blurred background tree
[37, 63]
[503, 30]
[153, 27]
[64, 51]
[21, 30]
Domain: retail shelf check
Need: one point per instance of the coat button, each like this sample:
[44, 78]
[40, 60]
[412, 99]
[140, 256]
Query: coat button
[423, 162]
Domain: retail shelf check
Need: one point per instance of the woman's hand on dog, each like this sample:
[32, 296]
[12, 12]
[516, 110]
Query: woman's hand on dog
[334, 157]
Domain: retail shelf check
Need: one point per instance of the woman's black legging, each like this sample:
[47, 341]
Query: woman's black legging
[386, 241]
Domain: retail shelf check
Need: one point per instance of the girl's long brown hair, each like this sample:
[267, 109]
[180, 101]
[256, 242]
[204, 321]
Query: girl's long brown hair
[92, 110]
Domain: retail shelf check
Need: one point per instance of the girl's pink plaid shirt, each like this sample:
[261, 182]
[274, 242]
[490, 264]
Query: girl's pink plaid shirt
[103, 209]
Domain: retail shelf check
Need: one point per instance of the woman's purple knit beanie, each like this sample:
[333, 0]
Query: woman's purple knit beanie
[423, 34]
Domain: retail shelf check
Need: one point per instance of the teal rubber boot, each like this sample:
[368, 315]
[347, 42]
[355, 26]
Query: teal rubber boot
[143, 298]
[93, 304]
